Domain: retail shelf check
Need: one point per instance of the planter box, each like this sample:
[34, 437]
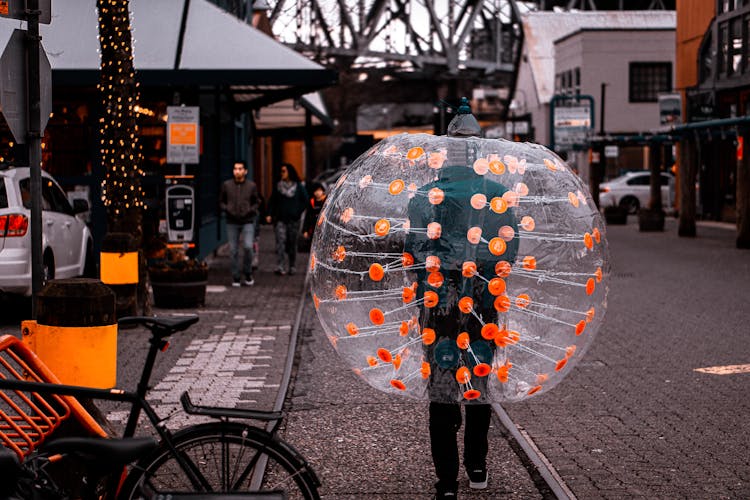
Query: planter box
[615, 215]
[178, 288]
[650, 220]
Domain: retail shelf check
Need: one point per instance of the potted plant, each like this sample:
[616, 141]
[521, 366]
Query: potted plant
[615, 214]
[177, 280]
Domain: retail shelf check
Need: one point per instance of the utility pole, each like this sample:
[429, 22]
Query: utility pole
[35, 147]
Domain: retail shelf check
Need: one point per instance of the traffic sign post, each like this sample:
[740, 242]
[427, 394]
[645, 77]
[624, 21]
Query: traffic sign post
[571, 121]
[183, 135]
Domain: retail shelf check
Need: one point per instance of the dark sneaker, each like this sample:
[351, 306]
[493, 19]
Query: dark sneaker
[280, 271]
[443, 495]
[477, 479]
[248, 281]
[292, 270]
[235, 283]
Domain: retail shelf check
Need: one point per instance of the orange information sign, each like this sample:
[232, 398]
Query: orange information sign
[183, 134]
[4, 8]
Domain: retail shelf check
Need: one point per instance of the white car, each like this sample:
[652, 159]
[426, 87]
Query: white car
[67, 246]
[633, 191]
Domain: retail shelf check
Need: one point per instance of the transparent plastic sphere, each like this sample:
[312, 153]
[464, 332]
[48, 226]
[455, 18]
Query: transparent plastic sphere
[460, 269]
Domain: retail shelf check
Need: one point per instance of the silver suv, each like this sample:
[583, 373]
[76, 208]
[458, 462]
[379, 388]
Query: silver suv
[67, 246]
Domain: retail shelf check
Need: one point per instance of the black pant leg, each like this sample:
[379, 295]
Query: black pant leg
[445, 420]
[475, 435]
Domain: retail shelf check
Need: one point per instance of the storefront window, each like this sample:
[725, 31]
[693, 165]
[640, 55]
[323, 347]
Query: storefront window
[736, 46]
[649, 79]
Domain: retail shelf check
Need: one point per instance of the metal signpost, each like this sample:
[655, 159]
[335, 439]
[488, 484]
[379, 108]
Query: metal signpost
[26, 114]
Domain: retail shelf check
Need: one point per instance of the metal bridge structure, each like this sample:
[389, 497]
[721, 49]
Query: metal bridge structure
[416, 55]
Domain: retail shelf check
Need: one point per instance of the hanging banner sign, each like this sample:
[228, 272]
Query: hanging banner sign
[183, 134]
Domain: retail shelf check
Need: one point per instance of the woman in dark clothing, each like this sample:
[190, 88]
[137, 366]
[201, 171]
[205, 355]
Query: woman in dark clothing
[288, 202]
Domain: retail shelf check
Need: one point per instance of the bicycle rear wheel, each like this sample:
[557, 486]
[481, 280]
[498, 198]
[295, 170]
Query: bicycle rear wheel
[225, 457]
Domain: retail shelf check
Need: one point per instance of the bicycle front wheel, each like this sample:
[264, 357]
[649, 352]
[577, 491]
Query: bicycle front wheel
[223, 457]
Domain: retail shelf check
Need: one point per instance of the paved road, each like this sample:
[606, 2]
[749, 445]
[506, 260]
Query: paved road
[634, 419]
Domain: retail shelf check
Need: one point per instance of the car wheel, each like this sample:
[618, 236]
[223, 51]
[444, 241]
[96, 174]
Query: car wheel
[631, 203]
[48, 268]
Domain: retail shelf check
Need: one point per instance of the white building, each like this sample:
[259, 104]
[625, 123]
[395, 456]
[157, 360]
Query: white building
[631, 52]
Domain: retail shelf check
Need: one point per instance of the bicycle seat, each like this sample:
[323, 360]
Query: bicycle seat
[109, 453]
[160, 327]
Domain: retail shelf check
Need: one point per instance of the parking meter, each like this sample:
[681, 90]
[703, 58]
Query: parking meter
[180, 213]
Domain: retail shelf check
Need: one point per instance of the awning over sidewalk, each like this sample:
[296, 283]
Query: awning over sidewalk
[291, 114]
[180, 42]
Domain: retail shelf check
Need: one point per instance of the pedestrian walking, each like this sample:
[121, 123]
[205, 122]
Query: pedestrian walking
[312, 213]
[240, 204]
[465, 269]
[288, 202]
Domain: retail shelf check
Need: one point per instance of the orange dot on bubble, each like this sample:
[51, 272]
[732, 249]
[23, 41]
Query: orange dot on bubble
[588, 241]
[466, 304]
[597, 235]
[590, 285]
[396, 383]
[352, 329]
[534, 390]
[397, 361]
[376, 272]
[432, 263]
[403, 329]
[522, 189]
[496, 286]
[580, 327]
[372, 360]
[313, 261]
[434, 230]
[523, 300]
[498, 205]
[382, 226]
[502, 373]
[590, 315]
[511, 198]
[497, 246]
[377, 316]
[497, 167]
[478, 201]
[481, 166]
[407, 259]
[561, 364]
[396, 186]
[598, 274]
[573, 199]
[316, 301]
[430, 299]
[436, 196]
[503, 268]
[407, 294]
[428, 336]
[339, 254]
[474, 235]
[502, 303]
[506, 233]
[482, 370]
[468, 269]
[463, 375]
[425, 370]
[570, 350]
[321, 219]
[436, 159]
[490, 331]
[463, 340]
[529, 263]
[471, 394]
[341, 292]
[384, 355]
[414, 153]
[550, 164]
[347, 214]
[435, 279]
[527, 222]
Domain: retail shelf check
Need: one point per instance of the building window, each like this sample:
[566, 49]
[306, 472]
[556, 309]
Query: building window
[735, 47]
[649, 79]
[723, 47]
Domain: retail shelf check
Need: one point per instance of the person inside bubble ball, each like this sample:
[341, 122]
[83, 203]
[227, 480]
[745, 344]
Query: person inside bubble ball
[462, 252]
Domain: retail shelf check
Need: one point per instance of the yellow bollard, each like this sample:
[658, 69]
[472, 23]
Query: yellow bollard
[75, 333]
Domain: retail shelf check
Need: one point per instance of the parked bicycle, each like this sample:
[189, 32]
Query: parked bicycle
[222, 456]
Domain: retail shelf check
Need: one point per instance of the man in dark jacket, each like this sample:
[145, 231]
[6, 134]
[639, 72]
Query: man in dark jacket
[240, 202]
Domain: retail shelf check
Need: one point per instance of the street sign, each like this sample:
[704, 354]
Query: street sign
[13, 99]
[611, 151]
[183, 134]
[571, 121]
[16, 9]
